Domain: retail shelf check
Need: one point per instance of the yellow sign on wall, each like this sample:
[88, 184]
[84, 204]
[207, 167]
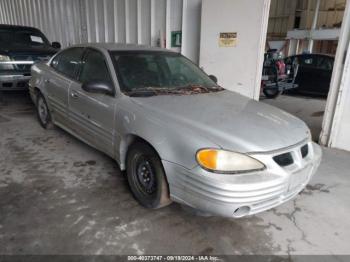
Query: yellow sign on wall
[228, 39]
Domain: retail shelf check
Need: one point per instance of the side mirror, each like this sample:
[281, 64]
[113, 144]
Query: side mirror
[214, 78]
[99, 87]
[56, 45]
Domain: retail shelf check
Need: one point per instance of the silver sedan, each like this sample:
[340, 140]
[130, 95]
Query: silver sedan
[179, 136]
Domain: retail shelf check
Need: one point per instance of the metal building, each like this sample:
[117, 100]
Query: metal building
[150, 22]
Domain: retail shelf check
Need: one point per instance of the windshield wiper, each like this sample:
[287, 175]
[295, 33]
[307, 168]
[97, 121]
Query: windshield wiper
[180, 90]
[216, 88]
[200, 88]
[141, 92]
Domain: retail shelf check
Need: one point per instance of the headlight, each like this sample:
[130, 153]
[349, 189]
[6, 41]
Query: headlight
[222, 161]
[4, 58]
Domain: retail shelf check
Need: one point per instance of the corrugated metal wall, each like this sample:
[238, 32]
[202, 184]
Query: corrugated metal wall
[281, 18]
[147, 22]
[331, 13]
[59, 20]
[283, 13]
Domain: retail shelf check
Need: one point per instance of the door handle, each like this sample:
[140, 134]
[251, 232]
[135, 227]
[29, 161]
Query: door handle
[74, 95]
[47, 81]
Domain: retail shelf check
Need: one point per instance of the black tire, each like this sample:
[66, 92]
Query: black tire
[271, 93]
[43, 112]
[146, 176]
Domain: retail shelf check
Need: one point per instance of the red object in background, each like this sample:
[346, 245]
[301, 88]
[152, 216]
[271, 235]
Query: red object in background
[281, 67]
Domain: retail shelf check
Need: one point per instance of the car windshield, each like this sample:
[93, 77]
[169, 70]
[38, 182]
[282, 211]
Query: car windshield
[27, 37]
[155, 73]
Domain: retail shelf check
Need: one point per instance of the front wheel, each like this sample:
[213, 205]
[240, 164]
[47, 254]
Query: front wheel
[43, 112]
[271, 93]
[146, 176]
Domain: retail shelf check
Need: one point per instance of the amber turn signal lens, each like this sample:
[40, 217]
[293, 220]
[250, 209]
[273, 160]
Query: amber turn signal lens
[207, 158]
[222, 161]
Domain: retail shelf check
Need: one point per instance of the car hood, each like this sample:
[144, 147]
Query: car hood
[228, 119]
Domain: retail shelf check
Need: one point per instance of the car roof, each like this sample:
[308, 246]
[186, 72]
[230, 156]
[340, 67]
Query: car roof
[20, 27]
[122, 47]
[330, 56]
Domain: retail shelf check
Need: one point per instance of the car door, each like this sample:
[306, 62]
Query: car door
[306, 73]
[58, 80]
[92, 114]
[324, 74]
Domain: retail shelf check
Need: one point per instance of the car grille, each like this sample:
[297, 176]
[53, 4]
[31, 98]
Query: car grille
[304, 151]
[287, 159]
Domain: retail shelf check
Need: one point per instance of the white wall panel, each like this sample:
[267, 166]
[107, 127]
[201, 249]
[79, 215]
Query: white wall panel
[191, 28]
[237, 67]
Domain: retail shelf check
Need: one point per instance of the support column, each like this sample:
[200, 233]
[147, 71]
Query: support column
[293, 47]
[335, 93]
[297, 47]
[339, 136]
[314, 25]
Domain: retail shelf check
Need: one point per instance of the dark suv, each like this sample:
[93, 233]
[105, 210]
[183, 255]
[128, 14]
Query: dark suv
[20, 48]
[314, 73]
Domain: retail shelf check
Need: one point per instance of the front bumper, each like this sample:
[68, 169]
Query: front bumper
[245, 194]
[16, 81]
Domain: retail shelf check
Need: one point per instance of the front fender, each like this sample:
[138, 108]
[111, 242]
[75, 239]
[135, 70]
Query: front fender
[173, 143]
[37, 82]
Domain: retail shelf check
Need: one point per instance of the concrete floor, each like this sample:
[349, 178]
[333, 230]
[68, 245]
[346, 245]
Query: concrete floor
[310, 110]
[59, 196]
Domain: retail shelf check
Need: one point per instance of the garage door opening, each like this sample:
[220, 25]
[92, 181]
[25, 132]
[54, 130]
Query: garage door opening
[301, 44]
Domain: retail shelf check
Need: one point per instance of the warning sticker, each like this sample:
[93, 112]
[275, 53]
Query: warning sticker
[228, 39]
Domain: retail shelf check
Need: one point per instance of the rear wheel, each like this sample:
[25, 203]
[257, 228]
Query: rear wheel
[43, 112]
[146, 176]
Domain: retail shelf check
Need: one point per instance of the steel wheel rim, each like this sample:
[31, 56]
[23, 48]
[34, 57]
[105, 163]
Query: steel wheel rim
[145, 176]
